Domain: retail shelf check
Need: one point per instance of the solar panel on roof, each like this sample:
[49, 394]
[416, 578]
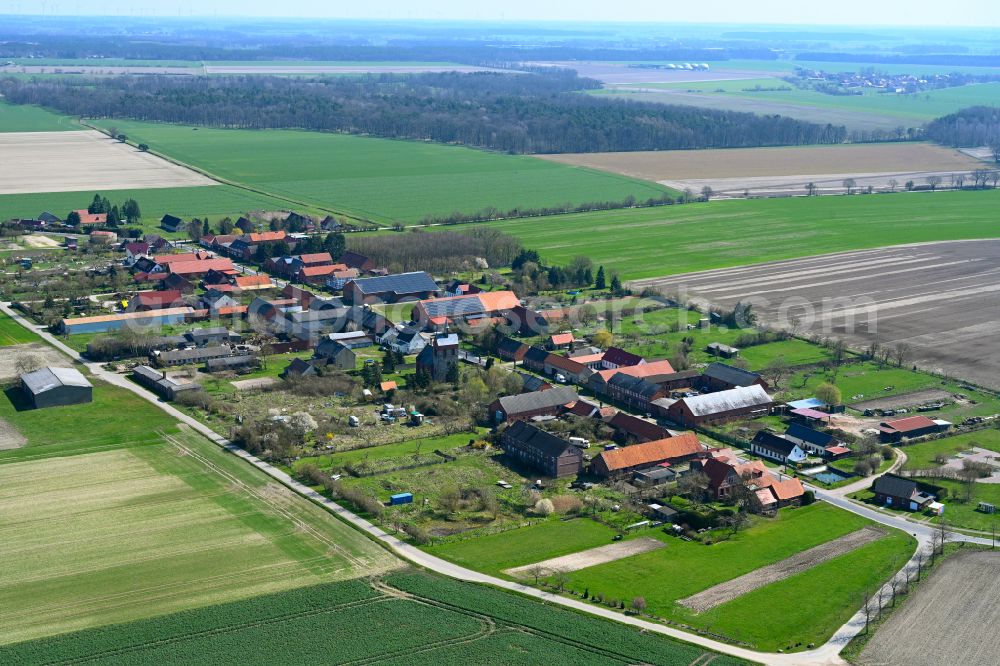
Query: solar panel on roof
[402, 283]
[454, 307]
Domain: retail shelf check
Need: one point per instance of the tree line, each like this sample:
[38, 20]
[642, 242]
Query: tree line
[971, 127]
[522, 113]
[437, 252]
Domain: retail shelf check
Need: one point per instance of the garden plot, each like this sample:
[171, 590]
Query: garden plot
[905, 401]
[83, 161]
[807, 559]
[951, 619]
[590, 558]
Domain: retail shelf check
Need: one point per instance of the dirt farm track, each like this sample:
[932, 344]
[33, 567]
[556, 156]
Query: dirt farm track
[942, 299]
[952, 618]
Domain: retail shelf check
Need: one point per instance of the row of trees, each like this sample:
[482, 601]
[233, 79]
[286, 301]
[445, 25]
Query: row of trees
[968, 128]
[438, 252]
[541, 113]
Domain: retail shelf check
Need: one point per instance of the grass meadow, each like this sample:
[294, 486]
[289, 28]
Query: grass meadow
[651, 242]
[921, 456]
[380, 179]
[685, 568]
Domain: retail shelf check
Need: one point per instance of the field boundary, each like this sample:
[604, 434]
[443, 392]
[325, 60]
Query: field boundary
[800, 562]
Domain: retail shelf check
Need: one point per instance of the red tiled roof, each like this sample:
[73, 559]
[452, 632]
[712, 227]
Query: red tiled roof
[622, 358]
[249, 281]
[907, 424]
[562, 338]
[788, 489]
[159, 298]
[313, 271]
[91, 218]
[652, 452]
[563, 363]
[267, 237]
[202, 266]
[387, 386]
[316, 258]
[837, 450]
[645, 370]
[231, 310]
[633, 425]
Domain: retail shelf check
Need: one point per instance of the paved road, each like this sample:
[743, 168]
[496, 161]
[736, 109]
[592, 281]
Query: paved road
[825, 655]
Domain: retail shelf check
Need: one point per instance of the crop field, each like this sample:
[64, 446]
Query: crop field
[83, 161]
[381, 179]
[24, 118]
[941, 299]
[392, 621]
[138, 531]
[782, 170]
[951, 614]
[681, 569]
[669, 240]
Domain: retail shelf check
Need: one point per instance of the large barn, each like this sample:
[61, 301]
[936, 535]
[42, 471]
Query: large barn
[53, 387]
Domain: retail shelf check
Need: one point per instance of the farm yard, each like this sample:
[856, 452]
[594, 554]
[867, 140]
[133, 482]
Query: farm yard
[947, 615]
[83, 161]
[771, 171]
[670, 240]
[381, 179]
[940, 299]
[393, 620]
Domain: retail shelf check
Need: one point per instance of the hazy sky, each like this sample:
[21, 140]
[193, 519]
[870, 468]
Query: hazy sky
[978, 13]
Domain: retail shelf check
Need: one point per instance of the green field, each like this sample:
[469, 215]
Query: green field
[33, 119]
[397, 450]
[139, 531]
[12, 333]
[917, 106]
[440, 621]
[650, 242]
[684, 568]
[215, 202]
[381, 179]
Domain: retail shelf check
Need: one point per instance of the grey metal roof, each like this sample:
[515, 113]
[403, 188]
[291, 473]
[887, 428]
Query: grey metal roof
[634, 384]
[731, 375]
[526, 402]
[229, 362]
[725, 401]
[47, 379]
[536, 354]
[194, 355]
[402, 283]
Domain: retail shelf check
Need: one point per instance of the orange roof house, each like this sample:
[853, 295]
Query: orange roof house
[88, 218]
[618, 462]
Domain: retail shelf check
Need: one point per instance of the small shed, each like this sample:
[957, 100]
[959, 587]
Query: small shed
[400, 498]
[54, 387]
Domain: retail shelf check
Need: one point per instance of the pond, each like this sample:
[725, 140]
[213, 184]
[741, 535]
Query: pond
[831, 475]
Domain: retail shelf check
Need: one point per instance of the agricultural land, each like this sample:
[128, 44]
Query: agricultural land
[734, 172]
[946, 616]
[380, 179]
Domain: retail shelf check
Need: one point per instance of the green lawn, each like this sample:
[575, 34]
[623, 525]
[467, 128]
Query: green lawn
[116, 418]
[12, 333]
[921, 456]
[134, 532]
[215, 202]
[649, 242]
[33, 119]
[439, 621]
[684, 568]
[552, 538]
[381, 179]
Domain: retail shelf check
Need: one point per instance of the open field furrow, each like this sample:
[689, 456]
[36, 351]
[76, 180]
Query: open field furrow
[591, 557]
[943, 304]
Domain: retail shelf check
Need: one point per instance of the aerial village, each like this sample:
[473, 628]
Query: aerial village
[498, 406]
